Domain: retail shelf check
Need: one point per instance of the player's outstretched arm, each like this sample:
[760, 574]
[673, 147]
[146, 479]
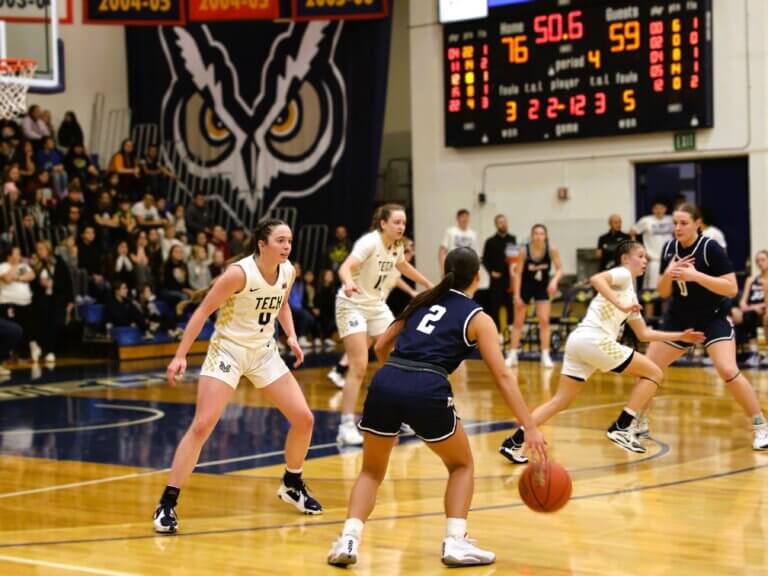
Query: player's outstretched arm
[407, 270]
[483, 331]
[646, 334]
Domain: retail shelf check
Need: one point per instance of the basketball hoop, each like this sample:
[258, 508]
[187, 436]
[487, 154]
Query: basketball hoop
[14, 73]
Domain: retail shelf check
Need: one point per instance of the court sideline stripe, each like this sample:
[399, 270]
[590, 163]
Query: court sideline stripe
[70, 567]
[340, 522]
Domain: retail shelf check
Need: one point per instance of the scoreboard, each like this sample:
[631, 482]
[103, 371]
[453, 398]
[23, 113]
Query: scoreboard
[555, 69]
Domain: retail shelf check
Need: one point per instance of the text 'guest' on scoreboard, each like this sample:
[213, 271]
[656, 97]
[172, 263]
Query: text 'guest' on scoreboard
[542, 70]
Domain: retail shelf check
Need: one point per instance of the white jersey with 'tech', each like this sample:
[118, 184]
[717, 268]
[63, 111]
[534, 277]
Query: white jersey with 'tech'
[604, 316]
[248, 317]
[377, 264]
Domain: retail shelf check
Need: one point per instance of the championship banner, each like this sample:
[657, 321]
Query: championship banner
[285, 114]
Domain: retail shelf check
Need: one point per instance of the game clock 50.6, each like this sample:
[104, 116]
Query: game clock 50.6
[134, 5]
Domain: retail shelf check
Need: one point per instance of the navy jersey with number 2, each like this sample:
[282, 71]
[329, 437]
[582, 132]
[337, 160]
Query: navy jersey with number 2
[412, 387]
[438, 334]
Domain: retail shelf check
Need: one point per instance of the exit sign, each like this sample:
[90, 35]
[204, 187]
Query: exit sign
[685, 141]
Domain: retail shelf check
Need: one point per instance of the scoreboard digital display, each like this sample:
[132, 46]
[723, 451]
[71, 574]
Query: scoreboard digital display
[557, 69]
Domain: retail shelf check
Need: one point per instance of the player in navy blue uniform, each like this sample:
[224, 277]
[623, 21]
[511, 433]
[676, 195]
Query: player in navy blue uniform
[534, 282]
[698, 277]
[749, 312]
[435, 333]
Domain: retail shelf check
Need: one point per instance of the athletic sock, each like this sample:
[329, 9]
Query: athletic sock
[758, 420]
[292, 478]
[353, 527]
[341, 368]
[347, 419]
[625, 419]
[456, 528]
[170, 496]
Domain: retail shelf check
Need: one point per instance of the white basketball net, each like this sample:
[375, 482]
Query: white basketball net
[13, 88]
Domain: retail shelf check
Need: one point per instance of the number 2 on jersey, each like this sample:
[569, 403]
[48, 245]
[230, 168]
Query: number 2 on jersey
[426, 326]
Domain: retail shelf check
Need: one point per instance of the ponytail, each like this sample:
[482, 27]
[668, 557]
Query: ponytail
[427, 298]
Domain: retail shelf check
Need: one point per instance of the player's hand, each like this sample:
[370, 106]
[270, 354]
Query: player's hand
[630, 308]
[685, 273]
[293, 344]
[175, 370]
[350, 289]
[535, 445]
[678, 263]
[691, 337]
[552, 289]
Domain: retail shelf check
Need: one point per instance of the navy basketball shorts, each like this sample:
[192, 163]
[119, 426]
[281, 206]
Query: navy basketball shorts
[536, 291]
[421, 399]
[715, 330]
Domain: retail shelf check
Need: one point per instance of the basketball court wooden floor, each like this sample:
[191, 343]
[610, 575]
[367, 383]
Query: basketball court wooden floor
[82, 466]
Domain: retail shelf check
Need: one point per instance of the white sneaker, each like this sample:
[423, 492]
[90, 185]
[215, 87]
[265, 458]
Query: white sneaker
[546, 360]
[761, 438]
[304, 342]
[50, 358]
[329, 342]
[34, 352]
[336, 378]
[511, 360]
[463, 552]
[4, 372]
[626, 439]
[343, 552]
[349, 435]
[318, 342]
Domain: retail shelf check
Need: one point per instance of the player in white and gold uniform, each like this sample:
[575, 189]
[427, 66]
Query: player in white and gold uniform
[362, 313]
[593, 346]
[250, 295]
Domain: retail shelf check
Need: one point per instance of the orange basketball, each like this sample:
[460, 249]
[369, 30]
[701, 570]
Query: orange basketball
[545, 487]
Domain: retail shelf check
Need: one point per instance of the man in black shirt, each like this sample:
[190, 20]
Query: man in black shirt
[198, 217]
[609, 242]
[498, 249]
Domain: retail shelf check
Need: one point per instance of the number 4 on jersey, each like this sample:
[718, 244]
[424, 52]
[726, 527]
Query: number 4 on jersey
[426, 326]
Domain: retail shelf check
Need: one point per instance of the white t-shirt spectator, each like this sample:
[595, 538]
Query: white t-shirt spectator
[15, 292]
[716, 234]
[143, 213]
[455, 237]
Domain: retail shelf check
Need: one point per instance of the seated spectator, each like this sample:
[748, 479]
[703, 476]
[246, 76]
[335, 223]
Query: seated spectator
[176, 279]
[197, 216]
[201, 239]
[219, 241]
[53, 298]
[49, 159]
[749, 312]
[106, 220]
[74, 222]
[127, 221]
[26, 161]
[126, 166]
[9, 130]
[217, 264]
[78, 164]
[33, 126]
[321, 332]
[154, 173]
[164, 211]
[142, 268]
[121, 268]
[169, 240]
[155, 253]
[75, 198]
[11, 180]
[302, 318]
[122, 310]
[112, 185]
[70, 133]
[236, 241]
[42, 181]
[16, 277]
[156, 319]
[27, 235]
[146, 213]
[67, 251]
[339, 248]
[40, 211]
[325, 302]
[199, 269]
[179, 220]
[91, 259]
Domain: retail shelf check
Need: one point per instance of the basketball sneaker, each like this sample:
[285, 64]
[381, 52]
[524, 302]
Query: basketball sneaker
[336, 378]
[300, 498]
[627, 439]
[164, 519]
[513, 451]
[761, 437]
[349, 435]
[546, 360]
[463, 552]
[641, 426]
[344, 551]
[511, 360]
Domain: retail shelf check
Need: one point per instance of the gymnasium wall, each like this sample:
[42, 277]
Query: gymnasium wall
[521, 181]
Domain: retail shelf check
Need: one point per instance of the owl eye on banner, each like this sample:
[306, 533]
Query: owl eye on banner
[281, 142]
[286, 113]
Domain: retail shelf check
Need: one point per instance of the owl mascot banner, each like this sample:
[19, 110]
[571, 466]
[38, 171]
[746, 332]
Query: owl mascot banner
[273, 114]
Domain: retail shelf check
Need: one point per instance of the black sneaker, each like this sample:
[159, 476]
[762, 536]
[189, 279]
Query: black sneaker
[300, 498]
[164, 520]
[513, 451]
